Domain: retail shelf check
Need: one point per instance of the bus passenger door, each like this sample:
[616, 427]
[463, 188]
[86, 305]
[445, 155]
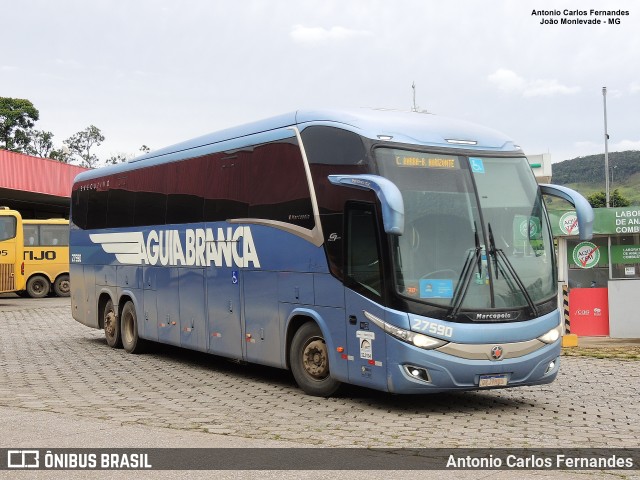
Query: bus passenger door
[363, 277]
[223, 301]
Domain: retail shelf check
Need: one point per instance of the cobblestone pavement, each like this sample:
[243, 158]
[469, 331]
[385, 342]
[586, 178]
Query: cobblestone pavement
[51, 363]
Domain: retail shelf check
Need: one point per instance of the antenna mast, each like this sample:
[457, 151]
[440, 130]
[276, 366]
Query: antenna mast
[415, 107]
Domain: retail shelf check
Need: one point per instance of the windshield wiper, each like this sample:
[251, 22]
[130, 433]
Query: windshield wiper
[498, 254]
[465, 276]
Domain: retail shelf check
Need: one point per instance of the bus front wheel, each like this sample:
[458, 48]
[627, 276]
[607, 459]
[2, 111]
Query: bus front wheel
[310, 362]
[111, 325]
[129, 329]
[38, 286]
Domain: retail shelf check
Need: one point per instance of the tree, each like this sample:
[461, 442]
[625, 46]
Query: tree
[599, 200]
[81, 143]
[17, 117]
[62, 155]
[41, 144]
[115, 159]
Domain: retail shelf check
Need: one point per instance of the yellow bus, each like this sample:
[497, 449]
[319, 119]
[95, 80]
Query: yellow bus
[11, 247]
[46, 257]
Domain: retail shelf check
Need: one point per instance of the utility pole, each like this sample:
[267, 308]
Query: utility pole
[415, 107]
[606, 148]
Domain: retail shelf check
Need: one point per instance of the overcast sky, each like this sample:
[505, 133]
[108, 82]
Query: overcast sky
[157, 72]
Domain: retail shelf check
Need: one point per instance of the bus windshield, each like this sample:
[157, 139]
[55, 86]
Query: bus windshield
[475, 234]
[7, 228]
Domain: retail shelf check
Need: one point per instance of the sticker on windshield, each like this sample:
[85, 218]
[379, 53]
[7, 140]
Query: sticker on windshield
[436, 288]
[477, 166]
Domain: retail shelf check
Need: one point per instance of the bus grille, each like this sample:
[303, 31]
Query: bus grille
[7, 282]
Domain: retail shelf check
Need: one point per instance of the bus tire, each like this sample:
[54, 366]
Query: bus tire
[131, 342]
[111, 325]
[61, 286]
[310, 362]
[38, 286]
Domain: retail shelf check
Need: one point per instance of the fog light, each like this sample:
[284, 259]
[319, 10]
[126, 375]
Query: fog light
[550, 367]
[417, 373]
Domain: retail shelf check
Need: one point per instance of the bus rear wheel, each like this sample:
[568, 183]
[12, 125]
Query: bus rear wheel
[61, 286]
[38, 286]
[131, 342]
[310, 362]
[111, 325]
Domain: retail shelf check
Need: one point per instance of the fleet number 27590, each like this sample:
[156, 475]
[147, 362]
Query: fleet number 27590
[432, 328]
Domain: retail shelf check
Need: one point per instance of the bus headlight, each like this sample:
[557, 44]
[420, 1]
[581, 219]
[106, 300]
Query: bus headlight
[552, 335]
[416, 339]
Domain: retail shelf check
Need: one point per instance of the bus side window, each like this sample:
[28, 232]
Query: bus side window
[363, 256]
[31, 236]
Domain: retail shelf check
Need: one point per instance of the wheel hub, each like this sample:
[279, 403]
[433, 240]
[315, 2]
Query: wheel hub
[315, 359]
[110, 323]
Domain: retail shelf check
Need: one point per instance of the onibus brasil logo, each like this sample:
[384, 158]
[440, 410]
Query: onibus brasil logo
[200, 248]
[586, 255]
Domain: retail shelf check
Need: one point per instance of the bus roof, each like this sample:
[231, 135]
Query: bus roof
[403, 127]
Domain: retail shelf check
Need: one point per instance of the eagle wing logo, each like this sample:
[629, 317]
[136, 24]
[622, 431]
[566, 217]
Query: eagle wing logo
[128, 247]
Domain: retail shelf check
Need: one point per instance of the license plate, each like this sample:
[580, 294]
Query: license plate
[493, 380]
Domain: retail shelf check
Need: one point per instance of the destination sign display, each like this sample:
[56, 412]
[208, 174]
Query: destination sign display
[426, 160]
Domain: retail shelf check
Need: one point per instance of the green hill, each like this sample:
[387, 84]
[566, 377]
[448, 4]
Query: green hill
[586, 174]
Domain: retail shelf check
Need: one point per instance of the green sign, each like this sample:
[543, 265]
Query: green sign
[625, 254]
[608, 221]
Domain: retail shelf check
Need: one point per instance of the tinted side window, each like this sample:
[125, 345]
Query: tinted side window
[224, 197]
[97, 202]
[278, 188]
[185, 186]
[332, 151]
[120, 209]
[333, 146]
[79, 208]
[150, 208]
[266, 181]
[363, 266]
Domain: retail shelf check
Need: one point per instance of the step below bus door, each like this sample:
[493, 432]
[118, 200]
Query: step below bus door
[223, 301]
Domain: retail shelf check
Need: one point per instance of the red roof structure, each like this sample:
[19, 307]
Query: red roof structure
[37, 187]
[38, 175]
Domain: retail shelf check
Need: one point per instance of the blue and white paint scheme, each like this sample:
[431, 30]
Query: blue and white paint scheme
[376, 248]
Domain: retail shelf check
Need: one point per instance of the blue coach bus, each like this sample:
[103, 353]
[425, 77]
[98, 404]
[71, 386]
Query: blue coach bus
[404, 252]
